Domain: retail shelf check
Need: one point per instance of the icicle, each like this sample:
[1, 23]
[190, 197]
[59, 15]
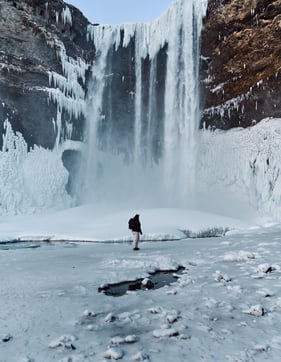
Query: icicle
[66, 16]
[228, 106]
[65, 90]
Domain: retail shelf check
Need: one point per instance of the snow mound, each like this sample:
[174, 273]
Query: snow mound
[239, 256]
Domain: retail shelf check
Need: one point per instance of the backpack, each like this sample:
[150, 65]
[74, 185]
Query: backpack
[131, 224]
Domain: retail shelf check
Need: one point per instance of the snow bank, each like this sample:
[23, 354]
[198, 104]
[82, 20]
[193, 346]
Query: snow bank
[244, 163]
[91, 223]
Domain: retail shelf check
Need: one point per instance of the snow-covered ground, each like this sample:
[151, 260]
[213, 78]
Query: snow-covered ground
[226, 306]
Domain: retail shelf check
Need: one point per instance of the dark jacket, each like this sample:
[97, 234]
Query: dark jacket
[136, 225]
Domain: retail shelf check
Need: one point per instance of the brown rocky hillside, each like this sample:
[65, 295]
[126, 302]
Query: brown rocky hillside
[241, 66]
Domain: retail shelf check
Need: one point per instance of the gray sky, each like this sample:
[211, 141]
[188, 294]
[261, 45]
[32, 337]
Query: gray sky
[121, 11]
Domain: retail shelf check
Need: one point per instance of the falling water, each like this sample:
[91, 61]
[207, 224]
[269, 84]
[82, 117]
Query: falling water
[143, 109]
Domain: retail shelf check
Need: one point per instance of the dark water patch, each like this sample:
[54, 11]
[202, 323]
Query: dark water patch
[15, 245]
[156, 280]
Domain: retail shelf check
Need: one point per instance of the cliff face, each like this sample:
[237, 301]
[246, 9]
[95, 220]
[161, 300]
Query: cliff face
[45, 58]
[40, 41]
[241, 62]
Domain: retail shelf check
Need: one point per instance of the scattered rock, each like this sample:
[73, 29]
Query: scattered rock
[264, 293]
[155, 310]
[131, 339]
[256, 310]
[114, 353]
[172, 317]
[261, 348]
[165, 332]
[184, 336]
[171, 292]
[220, 277]
[121, 340]
[147, 283]
[140, 356]
[64, 342]
[88, 313]
[109, 318]
[117, 340]
[265, 268]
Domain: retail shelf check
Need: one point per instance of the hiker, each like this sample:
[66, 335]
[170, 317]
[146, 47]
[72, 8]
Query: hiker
[135, 226]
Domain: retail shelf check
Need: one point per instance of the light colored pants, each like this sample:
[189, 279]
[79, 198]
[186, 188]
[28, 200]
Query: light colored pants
[136, 238]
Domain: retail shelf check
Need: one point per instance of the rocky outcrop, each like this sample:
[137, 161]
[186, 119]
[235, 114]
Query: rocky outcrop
[241, 62]
[41, 45]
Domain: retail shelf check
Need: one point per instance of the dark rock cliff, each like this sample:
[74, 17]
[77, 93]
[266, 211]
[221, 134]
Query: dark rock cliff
[241, 62]
[34, 35]
[240, 69]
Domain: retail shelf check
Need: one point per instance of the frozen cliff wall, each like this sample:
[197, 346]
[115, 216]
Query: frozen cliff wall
[44, 57]
[44, 62]
[131, 94]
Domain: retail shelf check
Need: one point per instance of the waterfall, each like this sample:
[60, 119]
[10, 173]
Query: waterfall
[143, 109]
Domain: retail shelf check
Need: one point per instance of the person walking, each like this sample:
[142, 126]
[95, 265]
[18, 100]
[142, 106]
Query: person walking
[135, 226]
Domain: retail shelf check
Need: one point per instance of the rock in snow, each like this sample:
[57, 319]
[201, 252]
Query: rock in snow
[165, 332]
[114, 353]
[256, 310]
